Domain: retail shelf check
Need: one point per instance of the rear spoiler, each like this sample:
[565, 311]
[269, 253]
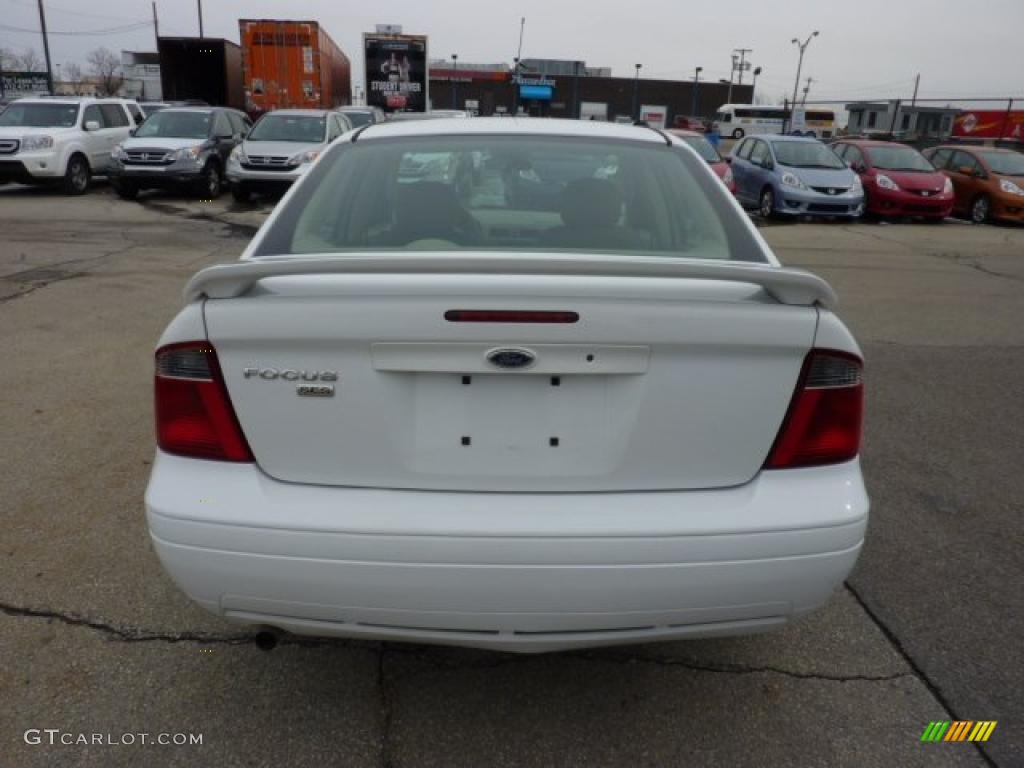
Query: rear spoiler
[785, 284]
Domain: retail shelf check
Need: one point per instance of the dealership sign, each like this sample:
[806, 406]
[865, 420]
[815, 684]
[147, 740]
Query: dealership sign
[24, 83]
[396, 72]
[520, 80]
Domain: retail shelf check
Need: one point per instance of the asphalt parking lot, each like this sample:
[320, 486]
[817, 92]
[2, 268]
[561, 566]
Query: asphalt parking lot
[96, 639]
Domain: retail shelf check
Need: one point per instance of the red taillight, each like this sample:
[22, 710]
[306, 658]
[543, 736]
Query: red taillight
[194, 416]
[823, 424]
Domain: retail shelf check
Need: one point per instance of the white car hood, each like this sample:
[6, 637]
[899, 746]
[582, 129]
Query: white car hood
[279, 148]
[15, 132]
[159, 142]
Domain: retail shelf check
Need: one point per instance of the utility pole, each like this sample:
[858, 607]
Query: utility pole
[576, 90]
[455, 82]
[743, 60]
[732, 71]
[46, 48]
[807, 88]
[522, 27]
[156, 27]
[917, 82]
[696, 85]
[636, 92]
[200, 3]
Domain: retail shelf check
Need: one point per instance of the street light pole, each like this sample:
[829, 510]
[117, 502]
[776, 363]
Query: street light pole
[732, 71]
[455, 84]
[636, 92]
[799, 65]
[696, 85]
[753, 86]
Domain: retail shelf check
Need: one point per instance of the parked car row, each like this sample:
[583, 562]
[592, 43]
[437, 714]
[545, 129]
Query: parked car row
[66, 141]
[790, 176]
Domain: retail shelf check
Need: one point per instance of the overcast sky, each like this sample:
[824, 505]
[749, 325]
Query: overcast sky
[867, 48]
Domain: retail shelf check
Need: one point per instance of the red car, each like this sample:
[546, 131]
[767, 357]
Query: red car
[707, 150]
[898, 180]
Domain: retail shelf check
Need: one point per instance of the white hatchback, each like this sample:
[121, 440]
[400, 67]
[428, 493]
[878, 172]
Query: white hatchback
[516, 384]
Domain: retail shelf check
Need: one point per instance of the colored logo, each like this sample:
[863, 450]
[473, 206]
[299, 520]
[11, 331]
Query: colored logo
[958, 730]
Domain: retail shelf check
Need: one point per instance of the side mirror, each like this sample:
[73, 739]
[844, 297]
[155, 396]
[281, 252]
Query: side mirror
[92, 125]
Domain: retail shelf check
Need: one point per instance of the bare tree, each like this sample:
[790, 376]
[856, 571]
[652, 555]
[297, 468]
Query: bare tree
[73, 72]
[105, 65]
[26, 61]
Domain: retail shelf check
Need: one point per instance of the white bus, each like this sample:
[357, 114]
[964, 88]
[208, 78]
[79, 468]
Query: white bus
[739, 120]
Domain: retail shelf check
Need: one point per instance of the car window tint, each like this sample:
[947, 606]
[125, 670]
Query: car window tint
[759, 152]
[92, 114]
[963, 160]
[114, 115]
[745, 148]
[840, 149]
[221, 126]
[540, 194]
[237, 126]
[940, 157]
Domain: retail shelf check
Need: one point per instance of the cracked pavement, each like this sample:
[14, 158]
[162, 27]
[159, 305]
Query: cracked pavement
[95, 638]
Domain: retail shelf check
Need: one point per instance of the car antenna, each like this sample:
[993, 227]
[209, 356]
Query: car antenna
[668, 141]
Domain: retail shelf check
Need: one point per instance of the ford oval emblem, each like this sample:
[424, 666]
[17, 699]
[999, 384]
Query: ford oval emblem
[511, 358]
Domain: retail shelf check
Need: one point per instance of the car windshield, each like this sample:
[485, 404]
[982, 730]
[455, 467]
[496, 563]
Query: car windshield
[23, 115]
[704, 148]
[169, 124]
[1004, 163]
[508, 194]
[304, 129]
[358, 118]
[899, 159]
[806, 154]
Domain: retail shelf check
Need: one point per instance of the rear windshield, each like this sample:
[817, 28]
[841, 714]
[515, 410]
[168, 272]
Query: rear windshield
[40, 115]
[308, 129]
[358, 118]
[169, 124]
[510, 194]
[704, 148]
[899, 159]
[806, 154]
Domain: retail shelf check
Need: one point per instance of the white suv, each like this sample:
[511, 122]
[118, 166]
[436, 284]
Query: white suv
[61, 140]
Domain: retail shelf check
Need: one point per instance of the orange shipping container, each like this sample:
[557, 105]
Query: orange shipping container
[292, 65]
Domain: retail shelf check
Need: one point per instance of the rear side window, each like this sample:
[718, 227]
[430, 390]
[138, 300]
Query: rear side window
[759, 152]
[221, 126]
[136, 113]
[114, 115]
[510, 194]
[237, 125]
[963, 160]
[940, 157]
[92, 114]
[748, 144]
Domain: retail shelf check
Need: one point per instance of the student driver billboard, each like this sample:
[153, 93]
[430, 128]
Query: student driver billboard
[396, 72]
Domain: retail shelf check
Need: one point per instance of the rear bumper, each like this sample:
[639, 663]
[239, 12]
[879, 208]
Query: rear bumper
[518, 572]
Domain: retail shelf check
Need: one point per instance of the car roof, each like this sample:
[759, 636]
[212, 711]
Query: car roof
[781, 137]
[300, 112]
[872, 143]
[514, 126]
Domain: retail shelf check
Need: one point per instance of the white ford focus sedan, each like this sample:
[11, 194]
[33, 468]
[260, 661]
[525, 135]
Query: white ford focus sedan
[517, 384]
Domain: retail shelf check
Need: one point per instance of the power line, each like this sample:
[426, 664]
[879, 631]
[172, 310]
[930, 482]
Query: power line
[82, 33]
